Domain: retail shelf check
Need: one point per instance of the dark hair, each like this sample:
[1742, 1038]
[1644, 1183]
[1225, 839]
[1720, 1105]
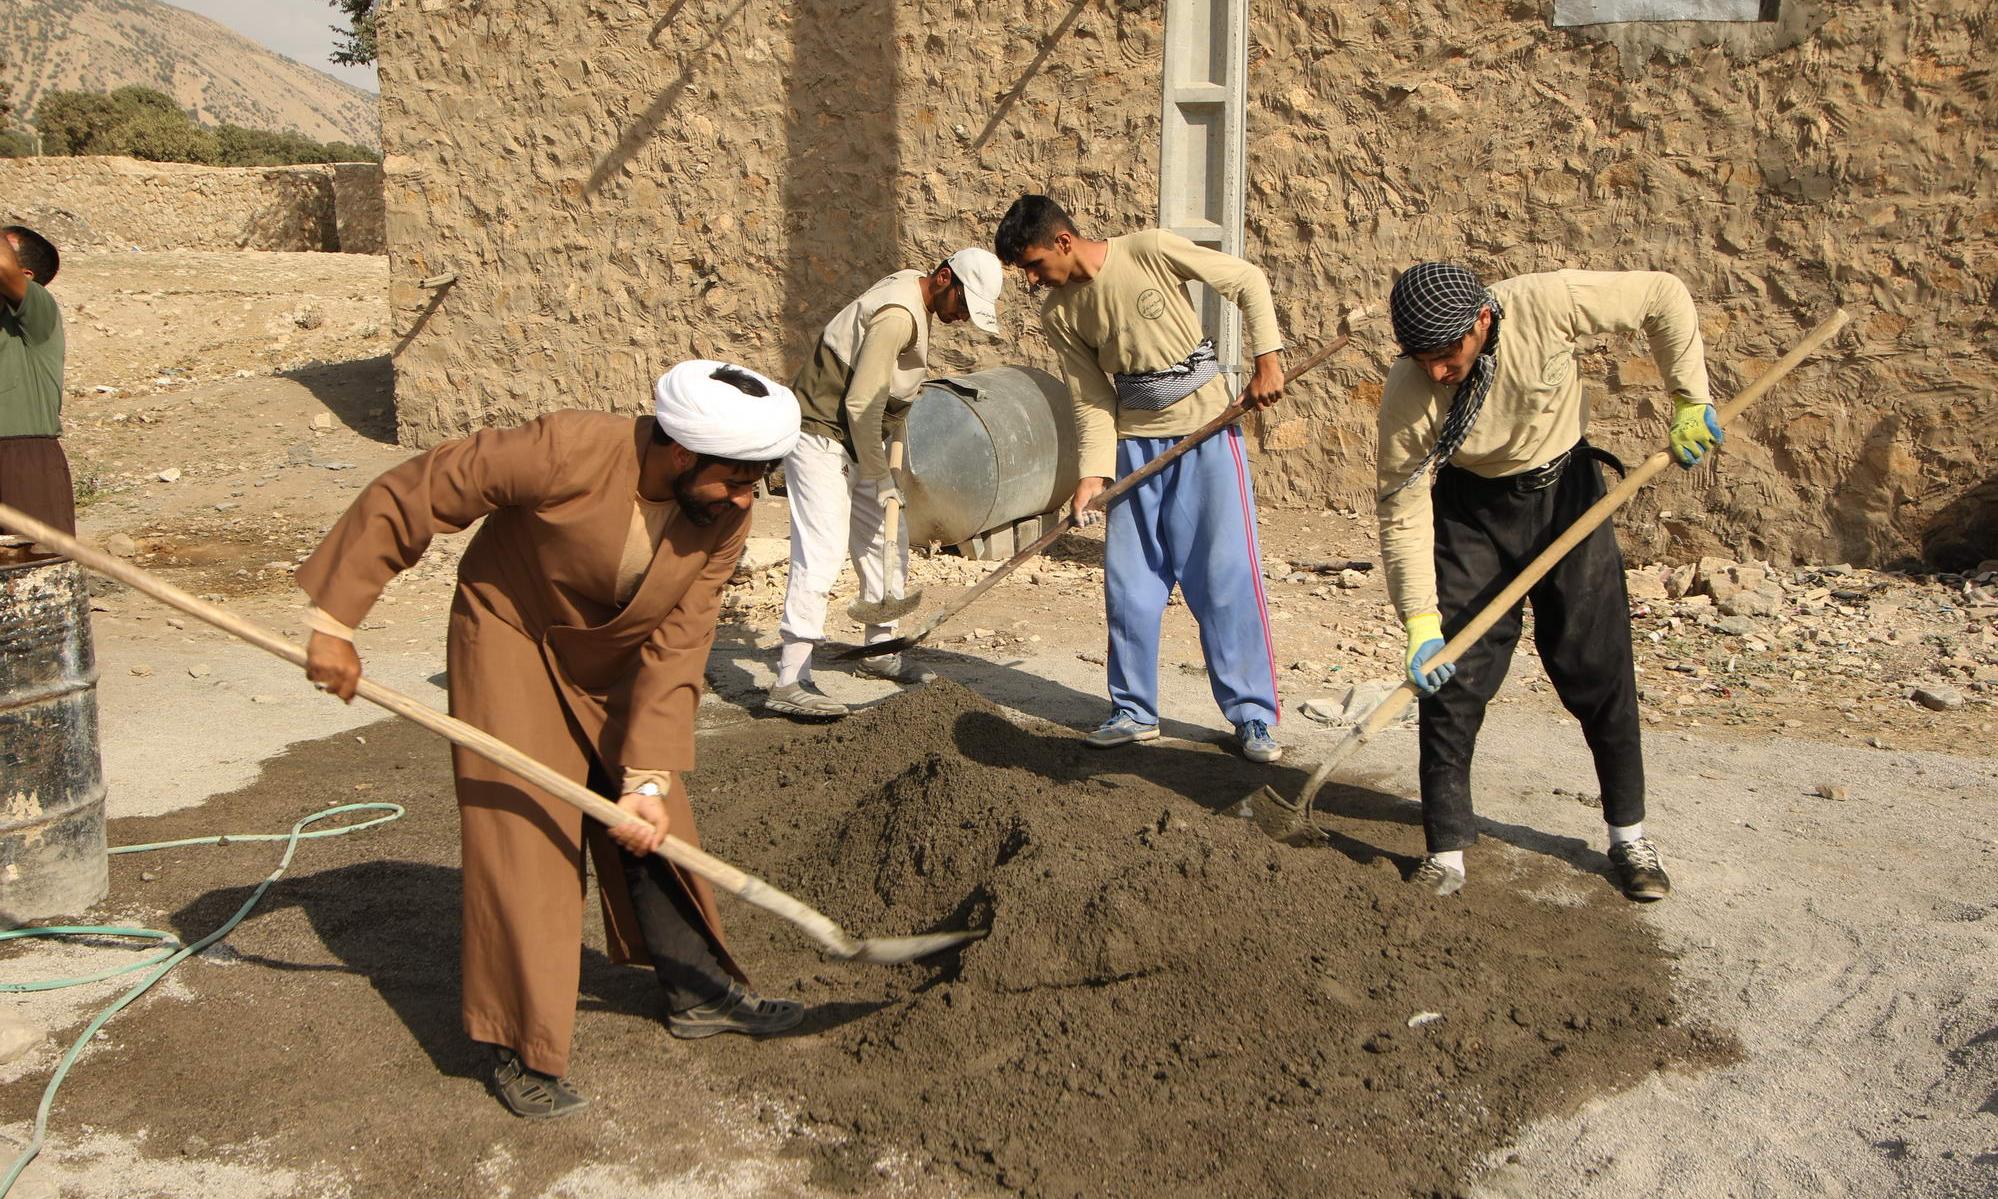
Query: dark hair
[37, 254]
[741, 380]
[1031, 221]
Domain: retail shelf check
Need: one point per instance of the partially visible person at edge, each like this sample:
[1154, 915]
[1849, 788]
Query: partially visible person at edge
[855, 392]
[1141, 376]
[1487, 394]
[34, 473]
[585, 609]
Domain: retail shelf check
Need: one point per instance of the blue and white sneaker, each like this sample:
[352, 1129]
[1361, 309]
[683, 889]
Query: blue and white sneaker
[1121, 729]
[1257, 743]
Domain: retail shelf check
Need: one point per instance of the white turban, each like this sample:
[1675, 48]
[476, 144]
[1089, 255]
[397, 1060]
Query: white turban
[713, 416]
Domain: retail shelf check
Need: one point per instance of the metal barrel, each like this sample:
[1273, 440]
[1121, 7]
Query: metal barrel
[52, 859]
[984, 451]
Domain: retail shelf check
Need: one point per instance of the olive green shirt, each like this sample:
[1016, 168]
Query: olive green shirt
[31, 350]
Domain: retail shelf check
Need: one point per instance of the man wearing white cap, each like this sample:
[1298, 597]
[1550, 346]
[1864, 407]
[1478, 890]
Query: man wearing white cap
[855, 394]
[586, 605]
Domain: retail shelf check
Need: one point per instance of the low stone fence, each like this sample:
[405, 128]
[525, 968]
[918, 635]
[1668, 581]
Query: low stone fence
[124, 203]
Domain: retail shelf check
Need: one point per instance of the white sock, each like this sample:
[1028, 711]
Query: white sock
[1453, 858]
[794, 662]
[1620, 835]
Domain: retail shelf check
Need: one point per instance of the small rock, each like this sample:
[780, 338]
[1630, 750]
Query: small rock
[322, 422]
[198, 672]
[1735, 626]
[1094, 659]
[1750, 603]
[1937, 698]
[334, 465]
[1645, 585]
[982, 634]
[170, 475]
[142, 670]
[263, 699]
[148, 876]
[1325, 711]
[1421, 1018]
[18, 1038]
[1832, 791]
[121, 546]
[1350, 580]
[1307, 666]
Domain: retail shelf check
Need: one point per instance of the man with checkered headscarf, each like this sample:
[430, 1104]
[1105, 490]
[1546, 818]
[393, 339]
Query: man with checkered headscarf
[1487, 398]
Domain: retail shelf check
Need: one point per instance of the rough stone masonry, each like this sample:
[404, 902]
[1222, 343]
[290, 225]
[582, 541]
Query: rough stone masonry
[615, 188]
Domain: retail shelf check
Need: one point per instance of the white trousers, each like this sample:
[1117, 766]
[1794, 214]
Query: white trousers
[834, 515]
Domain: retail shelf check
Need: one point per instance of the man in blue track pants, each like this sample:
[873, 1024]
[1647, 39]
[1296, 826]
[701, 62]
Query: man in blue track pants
[1141, 377]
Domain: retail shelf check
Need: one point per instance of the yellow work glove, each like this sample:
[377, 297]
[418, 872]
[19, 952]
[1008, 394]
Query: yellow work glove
[1695, 430]
[1425, 641]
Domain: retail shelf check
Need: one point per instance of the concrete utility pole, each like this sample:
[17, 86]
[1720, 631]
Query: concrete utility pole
[1203, 143]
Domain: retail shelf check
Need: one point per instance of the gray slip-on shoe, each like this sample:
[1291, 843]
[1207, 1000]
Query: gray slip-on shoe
[802, 701]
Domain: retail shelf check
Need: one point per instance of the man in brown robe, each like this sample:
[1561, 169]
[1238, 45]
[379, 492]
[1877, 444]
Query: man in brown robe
[585, 609]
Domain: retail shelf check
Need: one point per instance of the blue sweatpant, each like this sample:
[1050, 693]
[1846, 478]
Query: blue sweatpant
[1192, 524]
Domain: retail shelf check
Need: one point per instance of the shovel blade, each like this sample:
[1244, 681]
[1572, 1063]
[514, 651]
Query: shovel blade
[877, 649]
[1278, 817]
[885, 611]
[890, 951]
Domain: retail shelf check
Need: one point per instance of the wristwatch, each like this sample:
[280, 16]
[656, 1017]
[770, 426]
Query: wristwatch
[648, 789]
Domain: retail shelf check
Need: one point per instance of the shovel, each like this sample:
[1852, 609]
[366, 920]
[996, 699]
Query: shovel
[885, 610]
[1291, 821]
[1102, 502]
[832, 940]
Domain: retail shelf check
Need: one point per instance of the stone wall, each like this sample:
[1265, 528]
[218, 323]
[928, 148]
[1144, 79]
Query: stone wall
[615, 188]
[124, 203]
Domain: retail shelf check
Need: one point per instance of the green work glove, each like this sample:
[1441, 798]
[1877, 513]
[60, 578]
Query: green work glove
[1425, 641]
[1695, 430]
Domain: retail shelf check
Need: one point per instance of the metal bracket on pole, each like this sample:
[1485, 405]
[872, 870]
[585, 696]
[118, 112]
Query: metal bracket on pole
[1203, 143]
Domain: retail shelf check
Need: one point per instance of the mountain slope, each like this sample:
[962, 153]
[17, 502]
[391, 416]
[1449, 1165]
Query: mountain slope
[98, 45]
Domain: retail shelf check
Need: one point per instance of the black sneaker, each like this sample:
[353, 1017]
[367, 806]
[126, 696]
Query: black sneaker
[738, 1011]
[530, 1094]
[1640, 870]
[1438, 879]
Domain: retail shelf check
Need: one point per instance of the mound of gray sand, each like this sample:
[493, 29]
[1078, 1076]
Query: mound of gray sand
[1168, 1002]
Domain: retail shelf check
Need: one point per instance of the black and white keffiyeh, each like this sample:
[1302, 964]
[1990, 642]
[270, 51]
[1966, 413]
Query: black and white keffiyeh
[1433, 305]
[1155, 391]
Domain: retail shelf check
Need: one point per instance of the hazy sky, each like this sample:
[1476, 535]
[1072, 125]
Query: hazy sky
[298, 29]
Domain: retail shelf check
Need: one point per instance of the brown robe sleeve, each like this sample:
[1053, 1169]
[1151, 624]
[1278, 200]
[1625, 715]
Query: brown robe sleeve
[391, 522]
[657, 702]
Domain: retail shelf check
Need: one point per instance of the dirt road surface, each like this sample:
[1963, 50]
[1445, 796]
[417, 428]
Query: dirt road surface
[1822, 782]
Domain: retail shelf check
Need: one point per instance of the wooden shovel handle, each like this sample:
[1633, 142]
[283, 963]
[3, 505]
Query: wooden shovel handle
[891, 520]
[722, 875]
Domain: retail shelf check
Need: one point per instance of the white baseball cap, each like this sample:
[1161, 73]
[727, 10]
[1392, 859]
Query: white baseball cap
[983, 278]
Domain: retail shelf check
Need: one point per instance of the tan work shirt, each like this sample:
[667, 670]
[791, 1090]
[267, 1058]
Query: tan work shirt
[1135, 316]
[1536, 408]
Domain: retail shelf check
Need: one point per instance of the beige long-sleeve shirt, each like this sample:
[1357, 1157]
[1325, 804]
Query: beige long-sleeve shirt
[867, 369]
[1134, 316]
[868, 394]
[1536, 408]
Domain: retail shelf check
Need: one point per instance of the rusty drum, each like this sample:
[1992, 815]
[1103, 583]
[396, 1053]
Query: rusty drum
[52, 859]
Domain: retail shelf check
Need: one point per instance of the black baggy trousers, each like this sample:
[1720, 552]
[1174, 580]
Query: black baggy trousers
[1487, 530]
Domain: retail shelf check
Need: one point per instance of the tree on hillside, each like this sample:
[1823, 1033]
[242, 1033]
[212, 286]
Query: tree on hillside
[357, 46]
[139, 122]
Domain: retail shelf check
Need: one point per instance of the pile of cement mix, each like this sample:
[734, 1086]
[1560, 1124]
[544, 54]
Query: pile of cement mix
[1168, 1001]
